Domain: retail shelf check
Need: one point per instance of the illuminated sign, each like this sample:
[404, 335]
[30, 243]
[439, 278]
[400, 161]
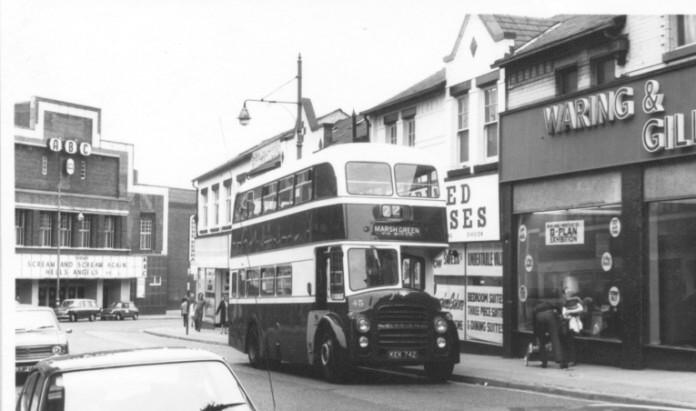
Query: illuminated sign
[38, 266]
[69, 146]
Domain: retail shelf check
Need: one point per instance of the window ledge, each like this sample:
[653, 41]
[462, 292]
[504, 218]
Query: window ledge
[678, 53]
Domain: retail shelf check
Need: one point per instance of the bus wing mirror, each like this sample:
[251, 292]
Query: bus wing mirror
[309, 288]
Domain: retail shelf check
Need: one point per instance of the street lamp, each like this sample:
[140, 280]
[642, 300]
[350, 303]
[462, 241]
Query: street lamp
[244, 116]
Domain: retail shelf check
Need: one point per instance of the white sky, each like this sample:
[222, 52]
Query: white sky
[170, 75]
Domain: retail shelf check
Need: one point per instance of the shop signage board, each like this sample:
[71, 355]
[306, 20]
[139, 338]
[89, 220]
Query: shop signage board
[565, 232]
[40, 266]
[451, 261]
[644, 118]
[473, 209]
[484, 313]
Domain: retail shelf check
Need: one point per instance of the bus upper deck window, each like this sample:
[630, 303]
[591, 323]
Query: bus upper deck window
[286, 192]
[416, 181]
[365, 178]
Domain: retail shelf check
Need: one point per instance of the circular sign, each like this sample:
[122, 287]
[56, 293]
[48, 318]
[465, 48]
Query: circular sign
[54, 144]
[70, 166]
[615, 227]
[607, 261]
[71, 146]
[614, 296]
[522, 293]
[522, 233]
[528, 263]
[85, 149]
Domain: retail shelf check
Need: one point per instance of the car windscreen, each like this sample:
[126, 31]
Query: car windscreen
[372, 267]
[180, 386]
[35, 320]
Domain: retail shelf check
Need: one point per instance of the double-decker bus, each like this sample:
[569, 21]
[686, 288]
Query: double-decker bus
[329, 262]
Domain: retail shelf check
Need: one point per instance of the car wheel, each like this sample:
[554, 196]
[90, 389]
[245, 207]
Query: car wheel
[332, 362]
[135, 316]
[119, 317]
[439, 371]
[92, 317]
[73, 317]
[253, 349]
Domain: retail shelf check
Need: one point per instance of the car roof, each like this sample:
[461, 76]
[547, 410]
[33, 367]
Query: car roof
[128, 357]
[29, 307]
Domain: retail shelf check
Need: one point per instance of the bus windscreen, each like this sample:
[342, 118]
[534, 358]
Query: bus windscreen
[372, 267]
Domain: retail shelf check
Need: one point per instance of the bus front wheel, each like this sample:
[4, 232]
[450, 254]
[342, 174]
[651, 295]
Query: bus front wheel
[331, 358]
[439, 371]
[253, 348]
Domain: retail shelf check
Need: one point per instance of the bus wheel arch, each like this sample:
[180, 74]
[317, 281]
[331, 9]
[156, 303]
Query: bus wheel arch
[331, 357]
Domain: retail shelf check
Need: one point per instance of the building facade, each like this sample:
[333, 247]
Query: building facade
[79, 207]
[597, 194]
[453, 114]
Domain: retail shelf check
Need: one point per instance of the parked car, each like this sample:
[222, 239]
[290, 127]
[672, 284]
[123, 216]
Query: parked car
[75, 308]
[120, 310]
[37, 336]
[145, 379]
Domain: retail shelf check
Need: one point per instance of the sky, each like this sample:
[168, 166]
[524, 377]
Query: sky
[170, 76]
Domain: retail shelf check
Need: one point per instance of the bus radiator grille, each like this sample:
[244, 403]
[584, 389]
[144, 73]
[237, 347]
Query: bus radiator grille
[402, 327]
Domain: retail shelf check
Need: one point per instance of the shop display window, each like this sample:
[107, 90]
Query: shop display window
[672, 272]
[578, 249]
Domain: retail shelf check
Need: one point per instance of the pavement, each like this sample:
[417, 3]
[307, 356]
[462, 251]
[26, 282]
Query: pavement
[591, 382]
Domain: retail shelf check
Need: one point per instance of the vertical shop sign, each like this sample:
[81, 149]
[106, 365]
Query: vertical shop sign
[472, 209]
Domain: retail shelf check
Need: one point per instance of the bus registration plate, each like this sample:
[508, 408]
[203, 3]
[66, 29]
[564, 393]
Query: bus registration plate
[402, 355]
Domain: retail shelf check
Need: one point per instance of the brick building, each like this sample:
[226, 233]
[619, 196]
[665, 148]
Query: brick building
[77, 201]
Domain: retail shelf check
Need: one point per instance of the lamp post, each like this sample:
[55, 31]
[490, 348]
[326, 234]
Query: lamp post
[244, 116]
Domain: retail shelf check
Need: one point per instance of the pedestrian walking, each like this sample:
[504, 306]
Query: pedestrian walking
[198, 314]
[222, 310]
[571, 324]
[185, 310]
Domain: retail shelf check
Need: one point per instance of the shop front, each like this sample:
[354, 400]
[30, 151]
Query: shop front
[599, 198]
[468, 275]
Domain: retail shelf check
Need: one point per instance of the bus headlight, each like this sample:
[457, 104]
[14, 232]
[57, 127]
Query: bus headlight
[57, 349]
[363, 324]
[440, 325]
[441, 342]
[363, 341]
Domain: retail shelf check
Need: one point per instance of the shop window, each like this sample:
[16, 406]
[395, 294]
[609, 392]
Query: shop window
[566, 80]
[490, 118]
[602, 70]
[267, 281]
[463, 128]
[686, 29]
[672, 272]
[577, 250]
